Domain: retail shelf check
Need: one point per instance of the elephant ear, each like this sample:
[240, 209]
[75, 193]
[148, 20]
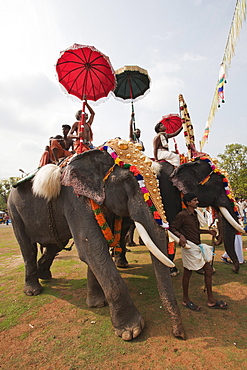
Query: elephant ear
[187, 176]
[86, 173]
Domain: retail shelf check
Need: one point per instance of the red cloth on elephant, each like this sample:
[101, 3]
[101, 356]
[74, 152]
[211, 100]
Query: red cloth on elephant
[77, 147]
[45, 158]
[171, 247]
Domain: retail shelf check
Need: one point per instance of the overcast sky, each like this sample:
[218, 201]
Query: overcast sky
[180, 43]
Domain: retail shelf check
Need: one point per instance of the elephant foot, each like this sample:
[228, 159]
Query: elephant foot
[96, 301]
[121, 263]
[178, 332]
[44, 275]
[235, 267]
[131, 244]
[132, 331]
[35, 289]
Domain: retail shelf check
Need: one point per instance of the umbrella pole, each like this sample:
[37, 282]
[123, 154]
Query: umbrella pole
[133, 121]
[81, 126]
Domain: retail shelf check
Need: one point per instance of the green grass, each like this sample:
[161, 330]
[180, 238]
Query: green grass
[56, 330]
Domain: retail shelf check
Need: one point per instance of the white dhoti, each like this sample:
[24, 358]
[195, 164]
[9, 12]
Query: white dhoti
[196, 257]
[170, 157]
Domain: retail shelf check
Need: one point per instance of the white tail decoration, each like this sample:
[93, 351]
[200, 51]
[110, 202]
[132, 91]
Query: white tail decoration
[46, 183]
[156, 168]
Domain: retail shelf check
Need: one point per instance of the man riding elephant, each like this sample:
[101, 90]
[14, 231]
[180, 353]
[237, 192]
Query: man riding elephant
[161, 148]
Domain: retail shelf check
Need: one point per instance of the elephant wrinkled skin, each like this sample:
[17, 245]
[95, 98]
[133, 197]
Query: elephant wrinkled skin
[73, 217]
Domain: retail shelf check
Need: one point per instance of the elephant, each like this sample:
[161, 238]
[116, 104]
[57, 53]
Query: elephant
[52, 219]
[189, 177]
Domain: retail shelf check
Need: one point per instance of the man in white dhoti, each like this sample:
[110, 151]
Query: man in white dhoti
[160, 144]
[186, 226]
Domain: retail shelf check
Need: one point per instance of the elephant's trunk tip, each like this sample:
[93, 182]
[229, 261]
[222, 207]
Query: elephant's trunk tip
[178, 332]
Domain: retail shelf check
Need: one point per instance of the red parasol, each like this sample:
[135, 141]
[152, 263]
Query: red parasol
[85, 73]
[172, 122]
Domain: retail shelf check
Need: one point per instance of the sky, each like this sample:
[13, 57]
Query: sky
[180, 43]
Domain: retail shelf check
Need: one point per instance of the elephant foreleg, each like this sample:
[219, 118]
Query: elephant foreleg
[125, 317]
[95, 294]
[29, 254]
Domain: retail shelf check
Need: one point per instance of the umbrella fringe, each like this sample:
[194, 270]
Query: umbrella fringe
[75, 99]
[130, 100]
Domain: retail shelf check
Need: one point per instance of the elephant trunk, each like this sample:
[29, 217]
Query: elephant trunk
[162, 273]
[229, 241]
[168, 300]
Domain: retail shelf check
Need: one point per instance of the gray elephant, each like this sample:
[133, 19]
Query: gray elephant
[67, 213]
[189, 177]
[211, 188]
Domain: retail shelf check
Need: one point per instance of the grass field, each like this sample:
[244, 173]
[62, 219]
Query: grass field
[56, 330]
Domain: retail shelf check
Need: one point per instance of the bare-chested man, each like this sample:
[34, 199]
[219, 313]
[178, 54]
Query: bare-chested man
[69, 143]
[86, 133]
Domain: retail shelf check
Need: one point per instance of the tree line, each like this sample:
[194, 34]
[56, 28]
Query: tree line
[5, 187]
[234, 162]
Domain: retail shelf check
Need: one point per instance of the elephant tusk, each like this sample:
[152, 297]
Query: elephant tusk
[231, 220]
[152, 247]
[176, 239]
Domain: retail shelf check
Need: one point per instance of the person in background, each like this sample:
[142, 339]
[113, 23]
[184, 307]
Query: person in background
[241, 206]
[245, 211]
[238, 246]
[186, 226]
[238, 241]
[6, 219]
[241, 203]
